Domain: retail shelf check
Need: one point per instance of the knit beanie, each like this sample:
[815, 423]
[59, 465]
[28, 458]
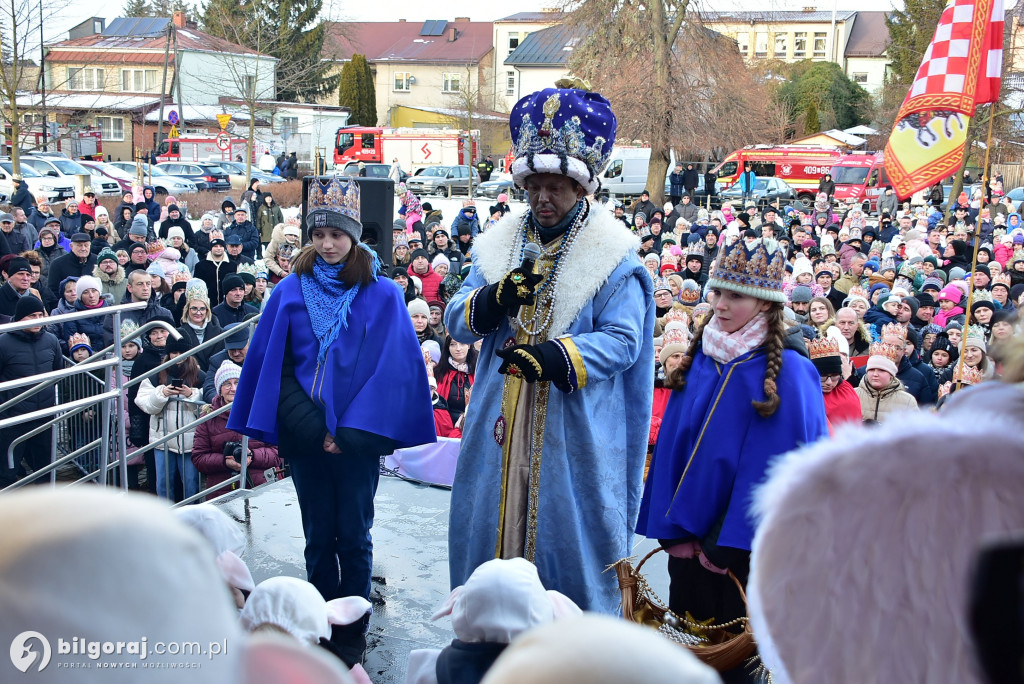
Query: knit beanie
[105, 254]
[439, 260]
[227, 371]
[175, 231]
[140, 226]
[956, 273]
[232, 281]
[879, 361]
[914, 304]
[87, 283]
[419, 253]
[801, 294]
[28, 305]
[418, 306]
[982, 304]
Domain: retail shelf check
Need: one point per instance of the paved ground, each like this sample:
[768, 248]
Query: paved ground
[410, 569]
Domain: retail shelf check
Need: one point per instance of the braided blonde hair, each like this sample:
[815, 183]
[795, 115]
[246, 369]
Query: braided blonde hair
[773, 344]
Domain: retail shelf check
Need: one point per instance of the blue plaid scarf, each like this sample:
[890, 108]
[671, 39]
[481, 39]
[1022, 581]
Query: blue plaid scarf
[323, 293]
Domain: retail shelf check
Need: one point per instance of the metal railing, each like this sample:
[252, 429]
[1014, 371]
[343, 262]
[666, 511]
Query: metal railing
[111, 444]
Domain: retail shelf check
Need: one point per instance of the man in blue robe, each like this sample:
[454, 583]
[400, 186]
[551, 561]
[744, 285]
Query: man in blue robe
[556, 433]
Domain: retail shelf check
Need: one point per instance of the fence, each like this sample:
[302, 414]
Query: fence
[87, 422]
[1013, 175]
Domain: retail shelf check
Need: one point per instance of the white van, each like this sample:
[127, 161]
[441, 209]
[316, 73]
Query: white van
[626, 173]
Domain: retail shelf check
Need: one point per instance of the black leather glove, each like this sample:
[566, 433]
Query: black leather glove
[515, 289]
[535, 363]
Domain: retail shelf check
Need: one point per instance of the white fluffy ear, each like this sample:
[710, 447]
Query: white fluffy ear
[345, 611]
[422, 668]
[448, 605]
[235, 572]
[562, 605]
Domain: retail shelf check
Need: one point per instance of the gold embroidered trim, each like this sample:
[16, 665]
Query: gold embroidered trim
[540, 414]
[577, 361]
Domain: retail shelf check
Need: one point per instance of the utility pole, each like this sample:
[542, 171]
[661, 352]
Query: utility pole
[177, 78]
[42, 74]
[163, 84]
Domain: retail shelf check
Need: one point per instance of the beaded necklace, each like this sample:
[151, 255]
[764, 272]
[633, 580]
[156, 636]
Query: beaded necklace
[540, 322]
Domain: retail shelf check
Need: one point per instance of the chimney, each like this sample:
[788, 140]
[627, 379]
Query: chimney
[810, 9]
[453, 33]
[401, 21]
[461, 20]
[179, 19]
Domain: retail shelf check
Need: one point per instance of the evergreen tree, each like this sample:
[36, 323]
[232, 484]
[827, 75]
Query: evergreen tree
[136, 8]
[910, 31]
[811, 125]
[301, 75]
[227, 19]
[356, 91]
[830, 90]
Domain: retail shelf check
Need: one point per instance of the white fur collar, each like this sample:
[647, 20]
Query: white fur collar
[601, 246]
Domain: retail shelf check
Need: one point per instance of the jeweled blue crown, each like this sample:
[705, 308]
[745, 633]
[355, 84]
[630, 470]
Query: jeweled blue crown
[756, 272]
[338, 194]
[564, 131]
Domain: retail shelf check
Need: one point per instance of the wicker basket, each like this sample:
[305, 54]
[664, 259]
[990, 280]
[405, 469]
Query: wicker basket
[716, 646]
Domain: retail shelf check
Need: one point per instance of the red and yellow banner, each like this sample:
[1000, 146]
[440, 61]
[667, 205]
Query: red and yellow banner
[960, 70]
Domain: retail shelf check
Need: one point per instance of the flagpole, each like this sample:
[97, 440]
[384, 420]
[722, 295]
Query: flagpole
[977, 241]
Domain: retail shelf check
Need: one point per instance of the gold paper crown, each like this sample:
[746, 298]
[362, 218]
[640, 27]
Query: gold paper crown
[690, 292]
[982, 296]
[755, 272]
[977, 332]
[1018, 255]
[251, 269]
[337, 195]
[893, 352]
[77, 339]
[154, 248]
[675, 335]
[894, 330]
[858, 291]
[677, 315]
[695, 249]
[1002, 279]
[181, 277]
[196, 289]
[822, 347]
[969, 375]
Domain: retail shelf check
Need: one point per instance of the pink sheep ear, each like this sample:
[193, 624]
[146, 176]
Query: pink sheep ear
[562, 605]
[235, 572]
[449, 604]
[345, 611]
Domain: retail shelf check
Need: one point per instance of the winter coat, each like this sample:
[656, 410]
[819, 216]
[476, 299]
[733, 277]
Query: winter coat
[915, 382]
[936, 195]
[170, 414]
[37, 218]
[23, 198]
[212, 273]
[23, 354]
[888, 203]
[250, 237]
[842, 405]
[431, 282]
[70, 223]
[465, 223]
[227, 315]
[676, 184]
[93, 326]
[827, 186]
[266, 218]
[277, 239]
[152, 206]
[140, 317]
[208, 451]
[180, 222]
[68, 265]
[17, 242]
[212, 330]
[878, 405]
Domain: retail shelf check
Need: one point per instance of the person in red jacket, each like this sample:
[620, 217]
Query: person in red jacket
[674, 342]
[841, 402]
[216, 451]
[419, 266]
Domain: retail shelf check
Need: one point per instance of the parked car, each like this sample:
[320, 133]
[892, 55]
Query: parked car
[205, 176]
[61, 167]
[766, 191]
[1017, 195]
[55, 189]
[163, 183]
[372, 170]
[499, 183]
[104, 171]
[239, 181]
[443, 181]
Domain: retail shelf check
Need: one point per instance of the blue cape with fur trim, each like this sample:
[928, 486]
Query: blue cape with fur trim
[714, 448]
[373, 378]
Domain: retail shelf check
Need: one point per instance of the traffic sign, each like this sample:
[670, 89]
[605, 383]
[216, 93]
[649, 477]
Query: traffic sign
[223, 120]
[172, 118]
[223, 142]
[173, 133]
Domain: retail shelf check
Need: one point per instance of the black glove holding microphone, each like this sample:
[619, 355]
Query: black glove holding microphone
[516, 289]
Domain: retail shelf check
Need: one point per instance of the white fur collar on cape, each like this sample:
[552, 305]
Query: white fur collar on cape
[600, 247]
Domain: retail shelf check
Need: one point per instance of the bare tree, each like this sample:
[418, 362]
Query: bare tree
[469, 113]
[20, 36]
[677, 85]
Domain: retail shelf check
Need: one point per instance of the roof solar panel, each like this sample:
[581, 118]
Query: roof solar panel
[433, 27]
[136, 26]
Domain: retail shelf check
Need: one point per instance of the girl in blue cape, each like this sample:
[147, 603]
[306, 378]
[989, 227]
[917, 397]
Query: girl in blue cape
[740, 400]
[334, 376]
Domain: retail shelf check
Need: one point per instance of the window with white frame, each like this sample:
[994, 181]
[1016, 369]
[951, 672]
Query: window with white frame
[819, 44]
[402, 83]
[510, 83]
[761, 44]
[290, 124]
[743, 42]
[79, 78]
[451, 82]
[800, 44]
[513, 40]
[781, 45]
[111, 127]
[139, 80]
[859, 77]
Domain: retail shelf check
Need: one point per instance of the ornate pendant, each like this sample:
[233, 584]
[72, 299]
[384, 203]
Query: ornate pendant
[499, 430]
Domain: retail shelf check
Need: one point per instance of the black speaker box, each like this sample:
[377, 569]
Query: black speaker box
[376, 211]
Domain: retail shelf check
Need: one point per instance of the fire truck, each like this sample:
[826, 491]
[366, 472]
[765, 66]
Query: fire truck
[415, 148]
[208, 148]
[802, 166]
[78, 143]
[861, 178]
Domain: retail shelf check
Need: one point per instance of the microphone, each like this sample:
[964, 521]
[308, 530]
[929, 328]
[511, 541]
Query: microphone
[531, 252]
